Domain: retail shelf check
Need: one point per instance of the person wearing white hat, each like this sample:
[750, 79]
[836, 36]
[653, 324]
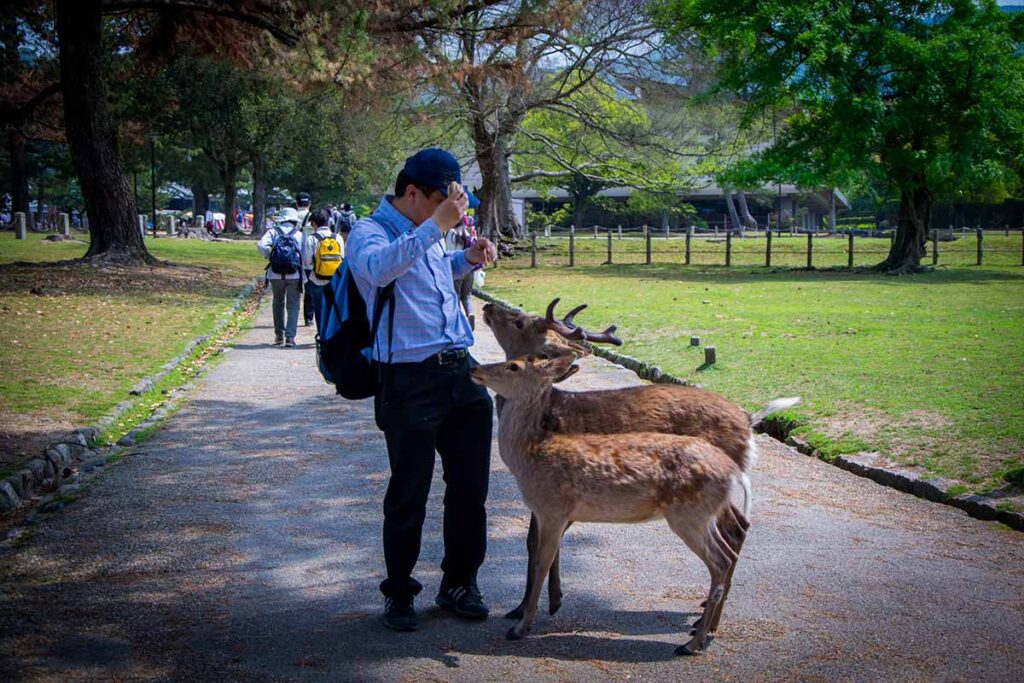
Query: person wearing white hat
[282, 247]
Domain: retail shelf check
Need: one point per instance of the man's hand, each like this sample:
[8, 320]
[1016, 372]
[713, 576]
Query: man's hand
[483, 251]
[449, 213]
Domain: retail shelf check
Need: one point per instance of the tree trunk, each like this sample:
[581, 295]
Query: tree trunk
[114, 233]
[832, 209]
[734, 219]
[200, 200]
[747, 220]
[19, 170]
[497, 218]
[229, 176]
[911, 232]
[260, 174]
[40, 198]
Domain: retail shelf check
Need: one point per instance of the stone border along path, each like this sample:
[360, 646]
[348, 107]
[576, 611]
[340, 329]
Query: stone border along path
[244, 545]
[909, 479]
[65, 465]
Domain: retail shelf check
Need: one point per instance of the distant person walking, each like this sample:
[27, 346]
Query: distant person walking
[303, 206]
[323, 253]
[345, 220]
[282, 247]
[460, 238]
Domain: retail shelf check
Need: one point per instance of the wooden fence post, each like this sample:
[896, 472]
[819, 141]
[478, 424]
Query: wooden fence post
[849, 249]
[609, 246]
[647, 239]
[620, 231]
[728, 248]
[768, 248]
[533, 250]
[595, 231]
[572, 246]
[810, 250]
[689, 238]
[980, 236]
[935, 247]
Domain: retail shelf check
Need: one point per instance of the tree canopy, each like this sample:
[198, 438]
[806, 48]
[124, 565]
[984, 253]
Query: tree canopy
[925, 95]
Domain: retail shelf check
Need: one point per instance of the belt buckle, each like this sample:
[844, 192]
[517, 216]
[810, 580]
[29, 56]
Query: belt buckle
[449, 357]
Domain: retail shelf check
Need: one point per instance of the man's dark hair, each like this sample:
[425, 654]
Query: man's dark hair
[319, 217]
[403, 182]
[303, 199]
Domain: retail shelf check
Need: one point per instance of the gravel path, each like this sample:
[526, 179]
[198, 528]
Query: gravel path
[242, 542]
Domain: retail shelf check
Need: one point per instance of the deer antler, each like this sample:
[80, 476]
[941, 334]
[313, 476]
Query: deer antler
[570, 330]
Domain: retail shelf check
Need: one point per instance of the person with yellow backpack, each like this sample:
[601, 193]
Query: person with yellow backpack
[324, 252]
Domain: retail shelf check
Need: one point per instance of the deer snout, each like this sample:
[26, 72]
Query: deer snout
[488, 309]
[477, 375]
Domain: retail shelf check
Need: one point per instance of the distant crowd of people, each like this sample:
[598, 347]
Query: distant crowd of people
[304, 246]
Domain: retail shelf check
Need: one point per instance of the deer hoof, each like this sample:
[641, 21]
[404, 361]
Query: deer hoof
[514, 634]
[517, 613]
[694, 648]
[554, 607]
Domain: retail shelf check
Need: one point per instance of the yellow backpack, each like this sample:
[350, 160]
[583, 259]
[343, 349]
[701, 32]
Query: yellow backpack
[327, 257]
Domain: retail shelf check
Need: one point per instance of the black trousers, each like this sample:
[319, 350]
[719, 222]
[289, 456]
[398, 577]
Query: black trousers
[423, 408]
[308, 305]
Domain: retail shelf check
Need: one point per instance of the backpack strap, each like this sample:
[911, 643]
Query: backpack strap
[385, 294]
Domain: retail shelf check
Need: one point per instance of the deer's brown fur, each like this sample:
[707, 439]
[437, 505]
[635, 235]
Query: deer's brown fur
[619, 478]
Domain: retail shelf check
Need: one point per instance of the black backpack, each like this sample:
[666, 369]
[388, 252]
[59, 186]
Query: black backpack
[345, 342]
[285, 256]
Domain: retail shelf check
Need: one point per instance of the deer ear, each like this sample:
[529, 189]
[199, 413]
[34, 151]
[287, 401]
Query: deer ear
[557, 366]
[570, 371]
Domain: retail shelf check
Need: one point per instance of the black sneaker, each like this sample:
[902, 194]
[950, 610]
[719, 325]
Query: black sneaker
[399, 614]
[464, 601]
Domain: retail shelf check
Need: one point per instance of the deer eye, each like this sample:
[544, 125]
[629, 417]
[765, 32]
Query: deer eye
[513, 368]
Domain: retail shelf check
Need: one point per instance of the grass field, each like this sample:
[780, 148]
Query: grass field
[927, 369]
[76, 338]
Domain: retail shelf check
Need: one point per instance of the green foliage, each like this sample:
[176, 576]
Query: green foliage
[925, 95]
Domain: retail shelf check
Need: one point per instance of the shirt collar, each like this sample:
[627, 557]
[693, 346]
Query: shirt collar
[391, 218]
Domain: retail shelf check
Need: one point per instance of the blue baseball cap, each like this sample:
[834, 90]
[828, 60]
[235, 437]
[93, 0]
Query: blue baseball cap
[435, 167]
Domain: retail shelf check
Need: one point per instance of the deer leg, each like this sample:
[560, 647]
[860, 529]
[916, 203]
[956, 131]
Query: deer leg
[742, 521]
[732, 525]
[554, 576]
[531, 552]
[555, 580]
[714, 616]
[713, 551]
[549, 535]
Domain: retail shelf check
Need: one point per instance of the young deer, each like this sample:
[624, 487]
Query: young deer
[616, 478]
[664, 408]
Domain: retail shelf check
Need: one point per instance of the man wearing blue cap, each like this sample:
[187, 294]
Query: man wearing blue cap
[427, 402]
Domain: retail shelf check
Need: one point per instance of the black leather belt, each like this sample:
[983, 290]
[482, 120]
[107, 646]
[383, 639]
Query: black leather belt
[443, 359]
[447, 358]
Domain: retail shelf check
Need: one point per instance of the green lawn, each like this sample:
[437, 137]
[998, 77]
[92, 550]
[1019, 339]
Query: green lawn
[927, 369]
[77, 338]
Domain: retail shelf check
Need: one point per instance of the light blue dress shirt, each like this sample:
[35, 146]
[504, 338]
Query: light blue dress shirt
[428, 318]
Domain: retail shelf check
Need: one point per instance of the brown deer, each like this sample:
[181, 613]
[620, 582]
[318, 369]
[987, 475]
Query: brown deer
[664, 408]
[612, 478]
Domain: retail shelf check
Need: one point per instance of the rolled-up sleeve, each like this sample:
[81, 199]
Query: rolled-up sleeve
[265, 243]
[460, 264]
[378, 261]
